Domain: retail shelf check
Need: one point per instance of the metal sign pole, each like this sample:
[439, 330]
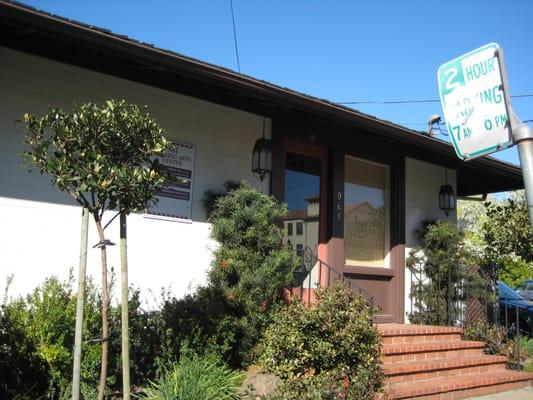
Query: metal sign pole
[522, 136]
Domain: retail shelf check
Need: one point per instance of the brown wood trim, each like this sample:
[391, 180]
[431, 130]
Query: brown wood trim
[278, 161]
[397, 254]
[369, 271]
[383, 319]
[336, 177]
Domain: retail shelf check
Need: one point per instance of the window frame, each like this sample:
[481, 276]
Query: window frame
[289, 229]
[299, 228]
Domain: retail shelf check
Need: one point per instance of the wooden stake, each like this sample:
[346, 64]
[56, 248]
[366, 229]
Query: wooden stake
[124, 301]
[76, 373]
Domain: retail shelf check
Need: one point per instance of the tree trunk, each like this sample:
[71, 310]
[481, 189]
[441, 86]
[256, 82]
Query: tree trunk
[78, 336]
[105, 308]
[124, 302]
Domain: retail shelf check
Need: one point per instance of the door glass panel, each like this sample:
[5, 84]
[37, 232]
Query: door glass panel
[302, 195]
[366, 213]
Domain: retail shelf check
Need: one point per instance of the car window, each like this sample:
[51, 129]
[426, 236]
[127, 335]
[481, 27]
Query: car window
[521, 286]
[530, 286]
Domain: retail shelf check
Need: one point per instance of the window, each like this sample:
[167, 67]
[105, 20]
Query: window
[366, 213]
[289, 229]
[299, 250]
[299, 228]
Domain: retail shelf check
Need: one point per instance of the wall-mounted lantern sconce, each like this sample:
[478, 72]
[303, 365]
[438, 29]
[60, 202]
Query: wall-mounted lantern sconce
[262, 156]
[447, 198]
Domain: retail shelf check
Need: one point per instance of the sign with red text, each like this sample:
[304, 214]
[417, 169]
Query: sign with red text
[175, 199]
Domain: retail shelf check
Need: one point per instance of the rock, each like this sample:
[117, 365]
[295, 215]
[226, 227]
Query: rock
[258, 384]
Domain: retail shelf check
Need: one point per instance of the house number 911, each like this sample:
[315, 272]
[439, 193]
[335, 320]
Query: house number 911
[339, 205]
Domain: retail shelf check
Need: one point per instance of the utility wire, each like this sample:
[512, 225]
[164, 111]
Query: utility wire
[414, 101]
[235, 36]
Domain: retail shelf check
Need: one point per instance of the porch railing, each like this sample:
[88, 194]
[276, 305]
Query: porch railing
[459, 304]
[314, 273]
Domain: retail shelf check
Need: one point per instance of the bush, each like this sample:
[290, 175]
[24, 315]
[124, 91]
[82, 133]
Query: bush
[330, 347]
[250, 269]
[203, 323]
[513, 270]
[19, 362]
[37, 337]
[446, 270]
[46, 317]
[195, 378]
[497, 343]
[210, 198]
[332, 385]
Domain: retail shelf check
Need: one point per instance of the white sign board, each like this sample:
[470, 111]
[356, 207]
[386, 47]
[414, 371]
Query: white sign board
[175, 200]
[474, 103]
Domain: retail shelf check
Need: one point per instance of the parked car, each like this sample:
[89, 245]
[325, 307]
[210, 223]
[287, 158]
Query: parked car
[525, 289]
[512, 302]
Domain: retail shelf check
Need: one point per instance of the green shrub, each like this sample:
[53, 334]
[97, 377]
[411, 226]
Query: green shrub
[526, 344]
[37, 336]
[249, 272]
[513, 270]
[332, 385]
[445, 269]
[19, 362]
[330, 347]
[498, 343]
[203, 323]
[195, 378]
[46, 317]
[493, 337]
[210, 198]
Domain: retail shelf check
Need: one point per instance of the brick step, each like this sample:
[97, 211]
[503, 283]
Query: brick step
[408, 371]
[399, 333]
[430, 350]
[459, 387]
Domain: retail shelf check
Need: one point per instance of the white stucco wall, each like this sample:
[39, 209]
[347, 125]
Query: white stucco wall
[39, 226]
[422, 183]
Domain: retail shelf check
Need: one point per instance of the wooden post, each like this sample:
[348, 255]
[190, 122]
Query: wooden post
[124, 301]
[76, 373]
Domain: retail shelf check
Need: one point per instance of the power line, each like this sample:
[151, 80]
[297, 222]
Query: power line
[516, 96]
[390, 102]
[235, 36]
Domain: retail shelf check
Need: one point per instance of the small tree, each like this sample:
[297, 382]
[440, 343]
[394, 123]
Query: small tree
[100, 156]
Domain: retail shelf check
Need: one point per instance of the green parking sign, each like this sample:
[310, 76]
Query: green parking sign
[474, 103]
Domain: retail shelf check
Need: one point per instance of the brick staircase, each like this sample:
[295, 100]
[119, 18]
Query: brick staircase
[430, 362]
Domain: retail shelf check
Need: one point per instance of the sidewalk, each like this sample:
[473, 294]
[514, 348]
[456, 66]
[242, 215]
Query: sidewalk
[518, 394]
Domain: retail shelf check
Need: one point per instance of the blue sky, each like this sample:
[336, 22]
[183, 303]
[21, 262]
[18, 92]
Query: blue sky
[339, 50]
